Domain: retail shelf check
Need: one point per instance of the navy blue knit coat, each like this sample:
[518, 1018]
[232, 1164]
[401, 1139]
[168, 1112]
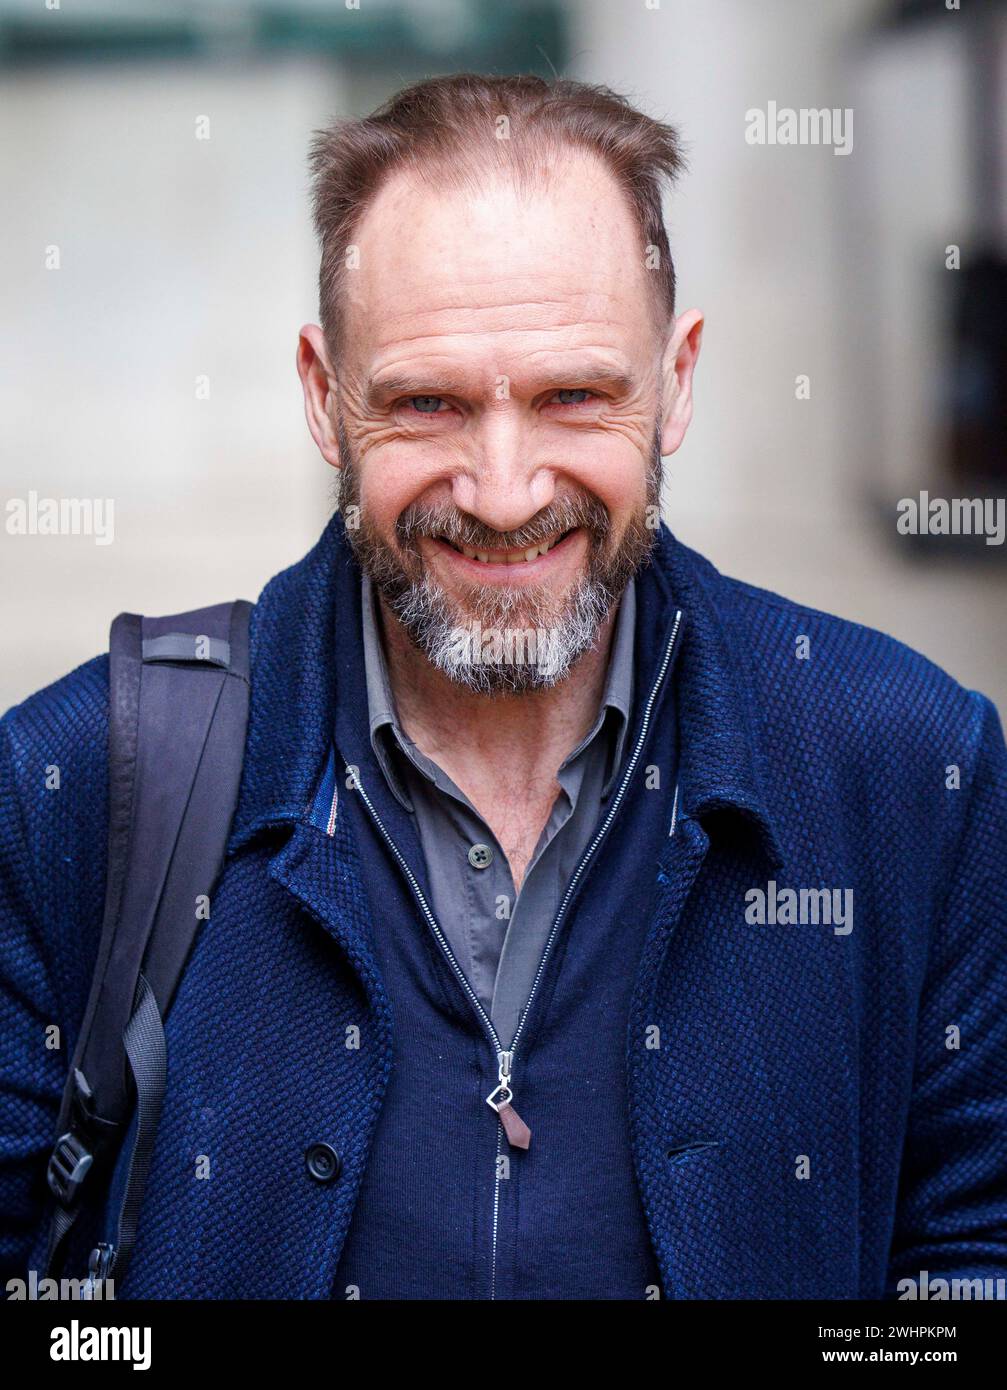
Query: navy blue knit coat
[826, 1114]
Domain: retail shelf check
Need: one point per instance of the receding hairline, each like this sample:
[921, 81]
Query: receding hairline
[529, 175]
[445, 131]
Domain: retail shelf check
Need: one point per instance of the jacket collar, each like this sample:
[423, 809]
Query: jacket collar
[306, 645]
[722, 765]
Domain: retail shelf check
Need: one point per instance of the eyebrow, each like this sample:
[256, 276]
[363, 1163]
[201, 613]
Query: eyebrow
[570, 376]
[432, 384]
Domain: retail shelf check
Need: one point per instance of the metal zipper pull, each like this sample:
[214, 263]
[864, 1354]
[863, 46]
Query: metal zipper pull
[499, 1099]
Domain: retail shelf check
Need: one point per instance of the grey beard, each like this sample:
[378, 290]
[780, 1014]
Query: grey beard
[502, 657]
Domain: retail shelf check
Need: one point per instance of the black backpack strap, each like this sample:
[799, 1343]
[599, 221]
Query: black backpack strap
[178, 712]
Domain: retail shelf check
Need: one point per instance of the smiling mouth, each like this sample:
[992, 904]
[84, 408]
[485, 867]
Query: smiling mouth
[508, 557]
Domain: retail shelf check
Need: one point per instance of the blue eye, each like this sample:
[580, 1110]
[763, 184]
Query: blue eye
[426, 405]
[566, 396]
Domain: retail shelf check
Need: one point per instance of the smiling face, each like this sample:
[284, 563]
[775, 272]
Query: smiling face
[496, 410]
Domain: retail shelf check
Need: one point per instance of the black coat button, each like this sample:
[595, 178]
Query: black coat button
[322, 1162]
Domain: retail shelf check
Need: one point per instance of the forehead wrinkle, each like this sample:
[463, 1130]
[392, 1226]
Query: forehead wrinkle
[494, 304]
[407, 354]
[519, 316]
[442, 345]
[583, 305]
[576, 297]
[591, 358]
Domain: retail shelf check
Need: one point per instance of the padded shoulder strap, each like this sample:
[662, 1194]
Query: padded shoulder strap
[178, 711]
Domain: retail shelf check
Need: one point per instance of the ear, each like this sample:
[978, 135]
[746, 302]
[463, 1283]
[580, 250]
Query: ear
[318, 381]
[677, 367]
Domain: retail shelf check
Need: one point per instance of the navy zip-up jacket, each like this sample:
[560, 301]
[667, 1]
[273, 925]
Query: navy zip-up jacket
[814, 1107]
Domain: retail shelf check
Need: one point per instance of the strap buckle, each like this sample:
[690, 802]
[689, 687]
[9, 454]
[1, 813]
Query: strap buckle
[72, 1154]
[69, 1164]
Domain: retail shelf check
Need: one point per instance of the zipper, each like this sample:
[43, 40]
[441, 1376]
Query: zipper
[500, 1099]
[603, 828]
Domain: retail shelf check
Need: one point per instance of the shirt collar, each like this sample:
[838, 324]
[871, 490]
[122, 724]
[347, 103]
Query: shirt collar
[617, 696]
[380, 701]
[615, 706]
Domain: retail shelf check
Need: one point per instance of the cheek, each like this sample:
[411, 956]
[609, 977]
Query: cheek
[391, 479]
[613, 469]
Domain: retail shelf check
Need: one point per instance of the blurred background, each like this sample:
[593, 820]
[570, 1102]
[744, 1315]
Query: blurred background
[158, 261]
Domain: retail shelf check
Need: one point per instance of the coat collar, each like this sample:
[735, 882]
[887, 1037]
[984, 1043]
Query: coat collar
[722, 762]
[306, 644]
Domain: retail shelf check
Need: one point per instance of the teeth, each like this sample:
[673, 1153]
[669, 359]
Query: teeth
[510, 557]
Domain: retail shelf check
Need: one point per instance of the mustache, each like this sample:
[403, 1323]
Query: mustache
[446, 522]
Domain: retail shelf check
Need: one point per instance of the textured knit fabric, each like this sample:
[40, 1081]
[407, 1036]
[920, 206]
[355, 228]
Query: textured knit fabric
[447, 1209]
[810, 1113]
[496, 935]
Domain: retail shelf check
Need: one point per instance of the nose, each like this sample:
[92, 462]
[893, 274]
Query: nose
[505, 482]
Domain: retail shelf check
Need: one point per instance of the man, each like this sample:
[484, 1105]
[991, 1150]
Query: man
[592, 925]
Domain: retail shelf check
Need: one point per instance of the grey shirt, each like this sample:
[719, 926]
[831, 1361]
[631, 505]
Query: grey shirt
[497, 937]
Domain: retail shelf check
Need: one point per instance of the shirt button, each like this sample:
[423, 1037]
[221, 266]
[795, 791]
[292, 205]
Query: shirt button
[480, 856]
[322, 1162]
